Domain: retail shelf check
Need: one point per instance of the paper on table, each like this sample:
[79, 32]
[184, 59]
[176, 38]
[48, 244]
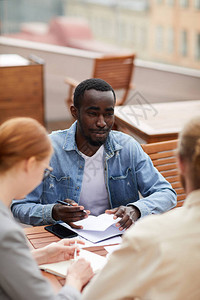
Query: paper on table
[99, 223]
[96, 236]
[60, 268]
[102, 232]
[110, 241]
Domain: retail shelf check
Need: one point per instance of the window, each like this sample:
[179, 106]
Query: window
[184, 3]
[170, 40]
[197, 48]
[132, 33]
[184, 43]
[122, 31]
[197, 4]
[143, 37]
[137, 25]
[159, 38]
[170, 2]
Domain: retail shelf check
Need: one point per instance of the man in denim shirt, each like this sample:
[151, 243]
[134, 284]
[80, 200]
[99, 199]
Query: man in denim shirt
[96, 169]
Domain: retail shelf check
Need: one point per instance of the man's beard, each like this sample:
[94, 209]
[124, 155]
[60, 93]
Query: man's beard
[97, 143]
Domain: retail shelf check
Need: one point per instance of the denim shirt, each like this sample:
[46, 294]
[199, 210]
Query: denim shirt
[128, 171]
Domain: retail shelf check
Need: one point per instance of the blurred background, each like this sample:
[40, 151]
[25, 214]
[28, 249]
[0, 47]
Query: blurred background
[166, 31]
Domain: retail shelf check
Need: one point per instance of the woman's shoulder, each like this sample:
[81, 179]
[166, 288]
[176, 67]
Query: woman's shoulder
[11, 232]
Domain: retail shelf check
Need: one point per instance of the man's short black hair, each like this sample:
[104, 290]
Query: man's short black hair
[90, 84]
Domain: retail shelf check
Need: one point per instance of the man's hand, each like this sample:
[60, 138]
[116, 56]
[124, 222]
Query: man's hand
[69, 214]
[128, 215]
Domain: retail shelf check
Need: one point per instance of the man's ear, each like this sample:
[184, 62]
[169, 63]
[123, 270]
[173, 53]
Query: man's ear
[181, 165]
[74, 112]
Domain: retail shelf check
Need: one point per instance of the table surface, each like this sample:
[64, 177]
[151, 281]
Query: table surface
[38, 237]
[157, 121]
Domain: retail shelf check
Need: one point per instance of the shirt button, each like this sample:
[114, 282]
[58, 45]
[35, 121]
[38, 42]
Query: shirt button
[78, 188]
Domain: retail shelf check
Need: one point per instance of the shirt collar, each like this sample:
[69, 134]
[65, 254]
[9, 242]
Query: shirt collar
[111, 145]
[70, 142]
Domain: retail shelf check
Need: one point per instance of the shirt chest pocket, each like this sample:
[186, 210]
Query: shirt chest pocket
[123, 188]
[57, 188]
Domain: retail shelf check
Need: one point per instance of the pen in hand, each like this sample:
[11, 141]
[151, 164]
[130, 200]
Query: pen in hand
[64, 203]
[68, 204]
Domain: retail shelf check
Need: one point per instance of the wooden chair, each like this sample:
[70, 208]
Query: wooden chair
[116, 70]
[163, 155]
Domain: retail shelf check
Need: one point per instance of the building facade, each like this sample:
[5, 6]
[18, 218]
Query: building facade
[166, 31]
[175, 32]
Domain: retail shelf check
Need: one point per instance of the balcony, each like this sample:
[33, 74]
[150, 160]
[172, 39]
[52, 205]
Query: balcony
[156, 82]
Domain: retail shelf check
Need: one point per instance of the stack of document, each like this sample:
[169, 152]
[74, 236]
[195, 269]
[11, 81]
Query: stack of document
[96, 229]
[97, 262]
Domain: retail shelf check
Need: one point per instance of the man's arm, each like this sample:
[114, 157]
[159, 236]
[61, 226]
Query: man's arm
[157, 195]
[128, 214]
[31, 211]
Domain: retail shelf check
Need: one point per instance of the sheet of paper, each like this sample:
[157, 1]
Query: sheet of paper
[110, 241]
[96, 236]
[100, 223]
[96, 229]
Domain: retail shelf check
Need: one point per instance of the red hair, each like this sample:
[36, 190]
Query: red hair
[22, 138]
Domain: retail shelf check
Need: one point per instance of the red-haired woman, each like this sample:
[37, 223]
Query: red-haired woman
[25, 151]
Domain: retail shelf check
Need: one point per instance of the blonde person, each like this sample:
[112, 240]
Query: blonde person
[25, 151]
[159, 258]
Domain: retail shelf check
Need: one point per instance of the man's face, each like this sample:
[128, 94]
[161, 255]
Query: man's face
[95, 116]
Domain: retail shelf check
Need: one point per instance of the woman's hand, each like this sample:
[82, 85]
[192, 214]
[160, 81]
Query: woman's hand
[79, 274]
[57, 251]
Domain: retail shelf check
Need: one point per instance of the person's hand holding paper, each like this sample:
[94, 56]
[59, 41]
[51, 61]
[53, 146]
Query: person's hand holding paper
[128, 215]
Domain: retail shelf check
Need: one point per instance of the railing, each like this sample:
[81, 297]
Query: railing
[156, 82]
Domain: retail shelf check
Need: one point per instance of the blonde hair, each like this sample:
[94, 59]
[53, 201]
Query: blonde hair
[189, 148]
[22, 138]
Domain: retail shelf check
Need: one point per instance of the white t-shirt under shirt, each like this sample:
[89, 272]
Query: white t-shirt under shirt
[94, 196]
